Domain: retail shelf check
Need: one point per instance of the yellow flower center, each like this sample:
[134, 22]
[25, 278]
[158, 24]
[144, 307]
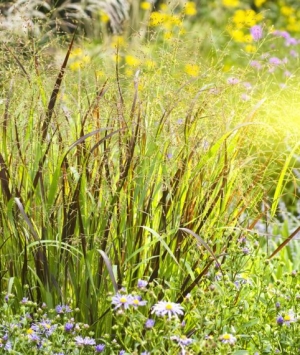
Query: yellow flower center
[30, 331]
[226, 336]
[123, 299]
[287, 318]
[169, 306]
[136, 301]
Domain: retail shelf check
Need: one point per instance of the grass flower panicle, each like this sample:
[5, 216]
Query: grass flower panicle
[170, 309]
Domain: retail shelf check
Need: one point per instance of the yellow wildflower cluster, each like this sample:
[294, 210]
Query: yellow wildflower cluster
[239, 28]
[80, 59]
[165, 20]
[190, 8]
[132, 61]
[259, 3]
[192, 69]
[246, 18]
[293, 23]
[231, 3]
[117, 42]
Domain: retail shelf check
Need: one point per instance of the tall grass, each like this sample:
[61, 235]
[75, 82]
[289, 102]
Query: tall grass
[103, 183]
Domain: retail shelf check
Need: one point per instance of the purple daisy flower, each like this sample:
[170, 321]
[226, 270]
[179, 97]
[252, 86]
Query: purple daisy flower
[121, 301]
[142, 284]
[184, 341]
[136, 301]
[61, 309]
[80, 341]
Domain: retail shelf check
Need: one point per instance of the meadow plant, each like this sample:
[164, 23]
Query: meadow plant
[136, 180]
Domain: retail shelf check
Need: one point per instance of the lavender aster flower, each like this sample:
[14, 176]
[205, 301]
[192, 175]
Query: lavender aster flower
[142, 284]
[149, 323]
[137, 301]
[163, 308]
[24, 300]
[228, 339]
[80, 341]
[184, 341]
[99, 348]
[256, 32]
[61, 309]
[123, 301]
[69, 327]
[122, 352]
[289, 318]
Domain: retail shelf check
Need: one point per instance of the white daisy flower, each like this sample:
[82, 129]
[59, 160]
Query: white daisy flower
[163, 308]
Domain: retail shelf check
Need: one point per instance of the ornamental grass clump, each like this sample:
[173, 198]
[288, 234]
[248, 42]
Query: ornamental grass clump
[134, 186]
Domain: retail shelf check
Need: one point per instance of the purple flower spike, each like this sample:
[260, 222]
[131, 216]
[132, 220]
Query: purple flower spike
[256, 32]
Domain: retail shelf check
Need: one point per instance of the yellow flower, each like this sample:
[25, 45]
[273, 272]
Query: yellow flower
[163, 7]
[192, 69]
[190, 8]
[182, 31]
[75, 66]
[174, 20]
[292, 20]
[248, 38]
[86, 59]
[237, 35]
[231, 3]
[294, 27]
[132, 61]
[246, 18]
[104, 17]
[226, 67]
[76, 52]
[168, 35]
[116, 57]
[100, 73]
[286, 10]
[156, 18]
[145, 5]
[258, 3]
[250, 48]
[150, 64]
[128, 72]
[117, 41]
